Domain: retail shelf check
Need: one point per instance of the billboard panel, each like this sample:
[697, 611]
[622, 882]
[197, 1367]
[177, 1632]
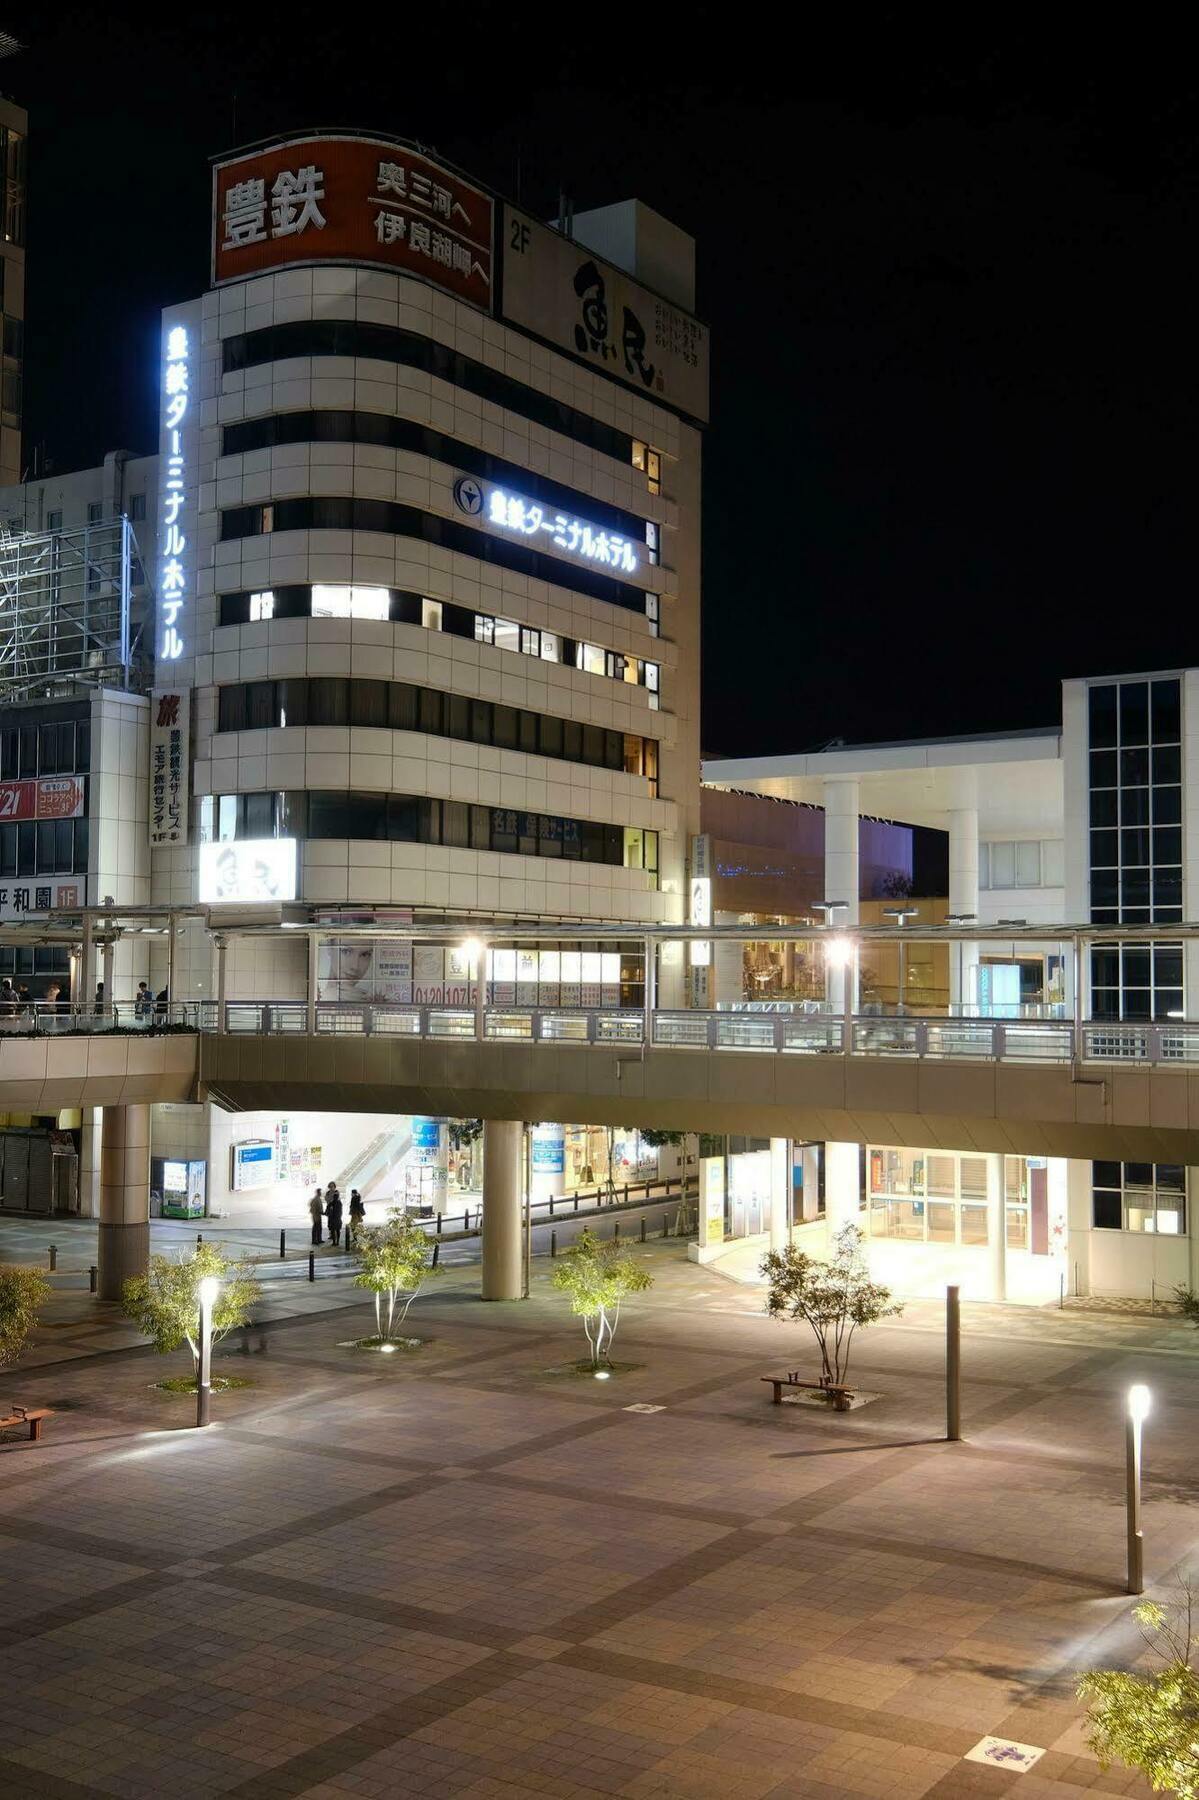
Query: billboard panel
[568, 296]
[51, 797]
[247, 871]
[331, 198]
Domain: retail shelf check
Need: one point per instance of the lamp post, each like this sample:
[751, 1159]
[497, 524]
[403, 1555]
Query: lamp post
[475, 952]
[1139, 1401]
[903, 914]
[208, 1290]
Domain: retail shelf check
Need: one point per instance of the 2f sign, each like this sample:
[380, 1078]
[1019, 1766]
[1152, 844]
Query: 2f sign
[519, 237]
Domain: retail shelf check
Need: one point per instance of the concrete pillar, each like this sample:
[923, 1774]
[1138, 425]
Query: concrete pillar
[963, 898]
[842, 1188]
[841, 877]
[996, 1226]
[547, 1162]
[780, 1192]
[124, 1197]
[503, 1257]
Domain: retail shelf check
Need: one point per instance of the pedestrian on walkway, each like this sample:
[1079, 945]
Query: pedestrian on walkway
[333, 1212]
[357, 1215]
[143, 1005]
[316, 1212]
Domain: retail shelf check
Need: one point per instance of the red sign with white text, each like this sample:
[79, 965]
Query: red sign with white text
[357, 200]
[53, 797]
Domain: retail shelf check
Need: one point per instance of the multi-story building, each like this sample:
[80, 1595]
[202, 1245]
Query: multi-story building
[14, 137]
[428, 571]
[1090, 822]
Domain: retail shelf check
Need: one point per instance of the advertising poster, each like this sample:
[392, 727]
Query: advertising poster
[248, 871]
[51, 797]
[365, 969]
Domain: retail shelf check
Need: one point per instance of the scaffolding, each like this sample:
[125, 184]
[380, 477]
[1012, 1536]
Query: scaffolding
[68, 611]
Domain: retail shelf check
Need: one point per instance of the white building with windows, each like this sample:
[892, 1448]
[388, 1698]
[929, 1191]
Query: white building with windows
[1091, 822]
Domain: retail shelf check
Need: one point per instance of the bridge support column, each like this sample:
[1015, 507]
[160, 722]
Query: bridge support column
[996, 1226]
[842, 1188]
[503, 1256]
[780, 1193]
[963, 898]
[124, 1197]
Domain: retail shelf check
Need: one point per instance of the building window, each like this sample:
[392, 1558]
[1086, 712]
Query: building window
[343, 700]
[137, 507]
[1139, 1197]
[95, 511]
[406, 434]
[309, 814]
[390, 518]
[54, 520]
[935, 1197]
[300, 602]
[386, 343]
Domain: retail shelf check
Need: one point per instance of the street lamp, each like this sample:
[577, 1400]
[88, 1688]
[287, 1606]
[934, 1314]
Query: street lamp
[475, 952]
[1139, 1402]
[208, 1290]
[903, 914]
[835, 959]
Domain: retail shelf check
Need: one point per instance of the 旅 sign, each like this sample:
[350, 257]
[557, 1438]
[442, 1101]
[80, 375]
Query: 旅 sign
[170, 731]
[355, 200]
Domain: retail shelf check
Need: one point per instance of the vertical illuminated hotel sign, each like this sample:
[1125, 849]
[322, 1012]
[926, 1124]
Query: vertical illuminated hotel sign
[178, 440]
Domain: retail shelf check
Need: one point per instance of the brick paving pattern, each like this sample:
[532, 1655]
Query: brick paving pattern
[467, 1572]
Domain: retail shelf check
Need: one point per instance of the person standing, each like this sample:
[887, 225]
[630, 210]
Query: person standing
[357, 1216]
[333, 1212]
[316, 1212]
[143, 1005]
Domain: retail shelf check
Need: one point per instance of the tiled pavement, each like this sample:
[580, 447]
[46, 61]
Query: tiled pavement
[463, 1572]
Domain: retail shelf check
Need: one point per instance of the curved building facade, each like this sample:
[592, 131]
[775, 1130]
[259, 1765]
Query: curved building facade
[429, 554]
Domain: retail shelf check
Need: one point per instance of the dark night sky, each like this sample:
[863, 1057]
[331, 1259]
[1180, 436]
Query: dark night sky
[947, 262]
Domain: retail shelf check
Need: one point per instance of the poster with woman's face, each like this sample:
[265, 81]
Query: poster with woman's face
[378, 970]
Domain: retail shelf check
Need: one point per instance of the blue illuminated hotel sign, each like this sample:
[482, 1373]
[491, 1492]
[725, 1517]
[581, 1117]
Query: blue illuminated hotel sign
[518, 516]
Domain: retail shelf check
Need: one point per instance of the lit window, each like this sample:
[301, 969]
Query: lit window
[591, 659]
[550, 649]
[507, 634]
[651, 677]
[639, 451]
[268, 518]
[262, 606]
[484, 628]
[530, 641]
[430, 614]
[329, 602]
[651, 543]
[653, 471]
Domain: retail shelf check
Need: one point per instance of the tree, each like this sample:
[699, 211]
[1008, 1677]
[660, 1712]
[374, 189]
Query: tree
[396, 1260]
[833, 1297]
[598, 1276]
[1188, 1303]
[463, 1133]
[1151, 1722]
[658, 1140]
[164, 1303]
[22, 1293]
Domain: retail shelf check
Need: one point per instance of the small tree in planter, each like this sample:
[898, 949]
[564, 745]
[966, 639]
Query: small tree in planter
[833, 1297]
[22, 1294]
[598, 1276]
[1151, 1722]
[396, 1260]
[164, 1303]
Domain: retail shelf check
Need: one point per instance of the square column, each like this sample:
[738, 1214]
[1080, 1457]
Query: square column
[996, 1226]
[780, 1193]
[841, 877]
[963, 898]
[842, 1188]
[124, 1197]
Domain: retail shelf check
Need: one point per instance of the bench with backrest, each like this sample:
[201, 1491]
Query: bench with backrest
[31, 1416]
[839, 1394]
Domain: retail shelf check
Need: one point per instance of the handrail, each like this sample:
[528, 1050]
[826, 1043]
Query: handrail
[925, 1039]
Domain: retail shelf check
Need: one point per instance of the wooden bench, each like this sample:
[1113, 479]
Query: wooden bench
[31, 1416]
[793, 1380]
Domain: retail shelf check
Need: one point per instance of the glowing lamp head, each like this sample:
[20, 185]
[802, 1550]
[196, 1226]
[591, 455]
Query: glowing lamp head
[208, 1290]
[1139, 1402]
[837, 952]
[472, 949]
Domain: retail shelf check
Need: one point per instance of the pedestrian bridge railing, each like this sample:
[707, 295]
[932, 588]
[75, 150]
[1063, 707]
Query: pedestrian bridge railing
[1045, 1041]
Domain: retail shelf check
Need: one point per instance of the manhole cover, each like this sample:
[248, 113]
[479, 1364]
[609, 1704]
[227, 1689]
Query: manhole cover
[1003, 1753]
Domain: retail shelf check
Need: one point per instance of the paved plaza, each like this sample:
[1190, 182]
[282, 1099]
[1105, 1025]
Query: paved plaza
[467, 1571]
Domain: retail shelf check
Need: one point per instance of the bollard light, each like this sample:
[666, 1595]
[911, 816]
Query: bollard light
[1139, 1402]
[207, 1292]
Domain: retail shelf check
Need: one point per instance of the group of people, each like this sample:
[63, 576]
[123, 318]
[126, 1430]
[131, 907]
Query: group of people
[326, 1209]
[16, 999]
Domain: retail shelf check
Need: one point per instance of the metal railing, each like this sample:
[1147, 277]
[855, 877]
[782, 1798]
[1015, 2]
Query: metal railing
[1044, 1041]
